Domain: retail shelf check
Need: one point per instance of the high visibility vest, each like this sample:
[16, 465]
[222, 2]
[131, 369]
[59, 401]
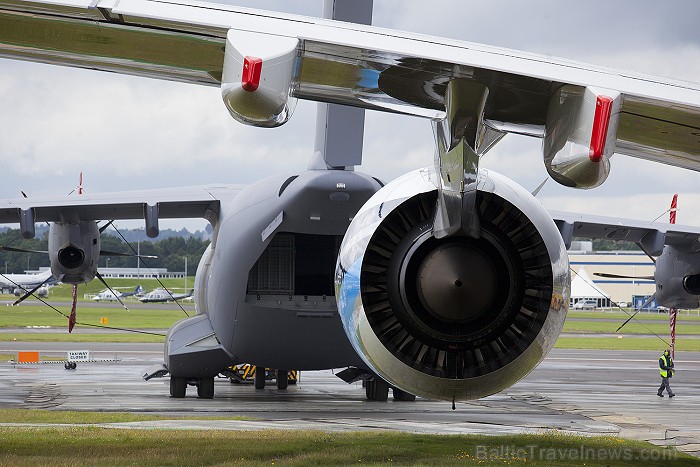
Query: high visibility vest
[669, 362]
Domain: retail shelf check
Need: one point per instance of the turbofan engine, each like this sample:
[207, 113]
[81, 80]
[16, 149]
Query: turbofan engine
[457, 317]
[74, 249]
[677, 278]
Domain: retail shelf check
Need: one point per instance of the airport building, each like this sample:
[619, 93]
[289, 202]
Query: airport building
[624, 263]
[132, 273]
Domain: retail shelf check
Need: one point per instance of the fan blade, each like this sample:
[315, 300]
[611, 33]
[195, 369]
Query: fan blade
[31, 292]
[101, 279]
[72, 317]
[620, 276]
[130, 255]
[21, 250]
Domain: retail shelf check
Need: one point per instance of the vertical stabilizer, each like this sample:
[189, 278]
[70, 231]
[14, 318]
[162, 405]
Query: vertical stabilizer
[340, 129]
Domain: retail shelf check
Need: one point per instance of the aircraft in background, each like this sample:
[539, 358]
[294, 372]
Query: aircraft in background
[162, 295]
[111, 295]
[450, 282]
[19, 284]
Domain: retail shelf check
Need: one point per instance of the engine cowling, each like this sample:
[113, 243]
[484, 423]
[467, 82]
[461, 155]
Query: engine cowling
[677, 278]
[74, 249]
[456, 317]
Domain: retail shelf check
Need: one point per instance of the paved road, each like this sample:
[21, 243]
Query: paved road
[580, 391]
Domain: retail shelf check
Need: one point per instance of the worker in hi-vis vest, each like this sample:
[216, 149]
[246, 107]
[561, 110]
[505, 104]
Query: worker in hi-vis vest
[666, 370]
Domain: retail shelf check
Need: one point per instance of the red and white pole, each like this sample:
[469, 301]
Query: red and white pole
[672, 312]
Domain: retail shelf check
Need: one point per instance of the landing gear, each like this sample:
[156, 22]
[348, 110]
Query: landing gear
[70, 365]
[260, 378]
[376, 389]
[205, 388]
[400, 395]
[178, 386]
[282, 379]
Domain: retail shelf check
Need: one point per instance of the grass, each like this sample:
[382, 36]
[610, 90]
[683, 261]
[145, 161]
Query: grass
[642, 316]
[136, 318]
[631, 327]
[97, 446]
[65, 337]
[634, 343]
[87, 418]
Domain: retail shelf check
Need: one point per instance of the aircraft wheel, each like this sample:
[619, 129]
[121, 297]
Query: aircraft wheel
[377, 389]
[66, 365]
[259, 378]
[178, 387]
[400, 395]
[282, 379]
[205, 388]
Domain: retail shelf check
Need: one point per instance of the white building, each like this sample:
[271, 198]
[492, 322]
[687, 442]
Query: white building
[133, 273]
[623, 263]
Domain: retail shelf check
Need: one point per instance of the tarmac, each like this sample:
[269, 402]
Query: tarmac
[584, 392]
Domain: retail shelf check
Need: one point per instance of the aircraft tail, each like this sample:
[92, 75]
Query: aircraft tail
[672, 210]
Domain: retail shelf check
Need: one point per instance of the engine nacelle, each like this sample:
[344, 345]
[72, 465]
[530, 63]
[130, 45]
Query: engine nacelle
[580, 135]
[677, 278]
[456, 317]
[74, 249]
[258, 77]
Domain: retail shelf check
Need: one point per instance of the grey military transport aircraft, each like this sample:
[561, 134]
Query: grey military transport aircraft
[451, 282]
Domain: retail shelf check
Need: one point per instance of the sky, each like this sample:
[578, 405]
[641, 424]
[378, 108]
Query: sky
[129, 133]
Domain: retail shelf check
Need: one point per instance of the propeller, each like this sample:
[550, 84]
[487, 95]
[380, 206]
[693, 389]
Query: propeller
[31, 292]
[622, 276]
[644, 305]
[21, 250]
[536, 191]
[101, 279]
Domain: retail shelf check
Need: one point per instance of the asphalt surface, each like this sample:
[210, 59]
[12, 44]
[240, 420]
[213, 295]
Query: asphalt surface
[573, 391]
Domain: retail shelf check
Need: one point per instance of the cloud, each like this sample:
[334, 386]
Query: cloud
[130, 133]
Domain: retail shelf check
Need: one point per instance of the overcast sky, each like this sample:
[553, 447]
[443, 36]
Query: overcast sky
[131, 133]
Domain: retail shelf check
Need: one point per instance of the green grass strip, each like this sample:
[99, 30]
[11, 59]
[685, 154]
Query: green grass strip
[87, 418]
[662, 329]
[625, 343]
[65, 337]
[683, 315]
[136, 318]
[95, 446]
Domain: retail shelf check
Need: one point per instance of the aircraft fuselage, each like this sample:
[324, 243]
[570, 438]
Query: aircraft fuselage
[264, 291]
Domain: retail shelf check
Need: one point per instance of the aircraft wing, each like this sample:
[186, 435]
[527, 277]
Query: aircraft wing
[652, 236]
[181, 202]
[345, 63]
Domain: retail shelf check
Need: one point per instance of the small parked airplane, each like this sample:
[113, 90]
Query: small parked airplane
[450, 282]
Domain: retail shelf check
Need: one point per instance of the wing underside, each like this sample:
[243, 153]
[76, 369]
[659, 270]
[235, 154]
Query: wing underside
[176, 203]
[349, 64]
[651, 236]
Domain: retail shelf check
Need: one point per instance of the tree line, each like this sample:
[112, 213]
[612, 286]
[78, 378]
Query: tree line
[171, 253]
